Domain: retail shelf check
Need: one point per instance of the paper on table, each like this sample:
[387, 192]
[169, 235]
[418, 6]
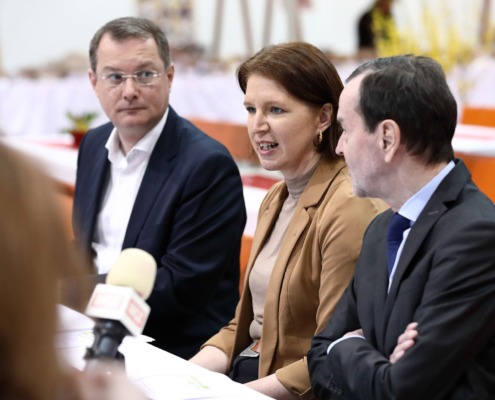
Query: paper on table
[70, 320]
[162, 375]
[188, 386]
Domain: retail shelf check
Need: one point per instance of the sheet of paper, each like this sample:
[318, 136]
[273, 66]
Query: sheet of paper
[70, 320]
[189, 386]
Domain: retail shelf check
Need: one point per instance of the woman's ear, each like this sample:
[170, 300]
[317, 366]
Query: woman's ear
[325, 117]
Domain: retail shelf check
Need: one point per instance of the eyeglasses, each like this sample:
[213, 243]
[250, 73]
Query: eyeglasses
[143, 78]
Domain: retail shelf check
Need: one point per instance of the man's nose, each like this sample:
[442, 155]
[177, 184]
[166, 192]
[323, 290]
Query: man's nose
[340, 147]
[129, 88]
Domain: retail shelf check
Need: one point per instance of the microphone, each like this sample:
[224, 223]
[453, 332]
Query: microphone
[118, 306]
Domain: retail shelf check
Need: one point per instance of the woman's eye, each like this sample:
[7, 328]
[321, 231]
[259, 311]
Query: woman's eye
[250, 109]
[276, 110]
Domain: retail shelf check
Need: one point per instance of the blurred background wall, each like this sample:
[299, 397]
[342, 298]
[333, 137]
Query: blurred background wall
[44, 61]
[36, 32]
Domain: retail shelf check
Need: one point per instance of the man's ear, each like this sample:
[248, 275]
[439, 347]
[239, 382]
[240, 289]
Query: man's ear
[92, 78]
[170, 75]
[389, 133]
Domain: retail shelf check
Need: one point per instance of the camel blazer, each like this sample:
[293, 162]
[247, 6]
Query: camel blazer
[314, 266]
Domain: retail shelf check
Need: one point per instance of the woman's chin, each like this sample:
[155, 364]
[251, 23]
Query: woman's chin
[269, 166]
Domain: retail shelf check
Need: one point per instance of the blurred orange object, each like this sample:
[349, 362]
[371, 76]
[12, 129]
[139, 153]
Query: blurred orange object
[233, 136]
[478, 116]
[482, 168]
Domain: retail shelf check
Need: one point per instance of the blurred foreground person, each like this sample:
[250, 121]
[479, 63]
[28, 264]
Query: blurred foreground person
[36, 256]
[310, 225]
[417, 321]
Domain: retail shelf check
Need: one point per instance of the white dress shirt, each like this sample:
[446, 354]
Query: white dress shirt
[126, 174]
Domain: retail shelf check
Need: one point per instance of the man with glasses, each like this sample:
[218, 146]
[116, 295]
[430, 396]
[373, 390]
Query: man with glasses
[150, 179]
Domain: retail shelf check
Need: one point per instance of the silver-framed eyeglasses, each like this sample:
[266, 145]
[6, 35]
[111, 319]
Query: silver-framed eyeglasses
[142, 78]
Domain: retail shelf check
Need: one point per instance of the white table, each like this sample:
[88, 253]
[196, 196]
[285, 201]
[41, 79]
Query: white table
[159, 374]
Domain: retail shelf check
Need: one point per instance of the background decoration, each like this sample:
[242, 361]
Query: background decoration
[450, 39]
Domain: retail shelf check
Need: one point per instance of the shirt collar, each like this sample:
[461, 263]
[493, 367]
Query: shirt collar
[146, 144]
[413, 207]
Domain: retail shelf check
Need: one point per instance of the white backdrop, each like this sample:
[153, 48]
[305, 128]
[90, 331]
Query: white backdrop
[34, 32]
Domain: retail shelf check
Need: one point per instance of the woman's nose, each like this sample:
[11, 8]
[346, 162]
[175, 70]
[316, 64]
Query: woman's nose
[259, 123]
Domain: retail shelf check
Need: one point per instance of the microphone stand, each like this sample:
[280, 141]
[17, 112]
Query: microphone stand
[108, 337]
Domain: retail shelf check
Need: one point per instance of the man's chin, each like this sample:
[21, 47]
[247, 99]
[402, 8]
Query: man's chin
[359, 192]
[131, 123]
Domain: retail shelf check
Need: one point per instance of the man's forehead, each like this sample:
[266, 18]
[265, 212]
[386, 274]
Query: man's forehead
[347, 99]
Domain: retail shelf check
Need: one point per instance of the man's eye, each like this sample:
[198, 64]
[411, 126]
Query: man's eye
[145, 74]
[115, 77]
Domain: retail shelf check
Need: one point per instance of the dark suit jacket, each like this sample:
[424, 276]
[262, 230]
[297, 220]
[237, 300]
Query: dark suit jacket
[445, 281]
[189, 214]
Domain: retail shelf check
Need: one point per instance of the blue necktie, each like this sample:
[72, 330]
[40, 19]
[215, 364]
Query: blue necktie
[398, 224]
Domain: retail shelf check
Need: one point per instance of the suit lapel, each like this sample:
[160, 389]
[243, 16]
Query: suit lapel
[448, 191]
[159, 168]
[97, 182]
[429, 216]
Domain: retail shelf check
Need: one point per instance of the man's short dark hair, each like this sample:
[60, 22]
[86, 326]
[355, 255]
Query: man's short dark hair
[412, 91]
[124, 28]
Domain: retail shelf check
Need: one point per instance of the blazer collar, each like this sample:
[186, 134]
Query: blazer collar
[447, 193]
[312, 195]
[97, 181]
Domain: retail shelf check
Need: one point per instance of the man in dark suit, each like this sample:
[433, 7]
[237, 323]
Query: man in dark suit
[427, 330]
[150, 179]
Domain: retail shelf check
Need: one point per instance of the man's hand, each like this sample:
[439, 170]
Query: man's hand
[405, 342]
